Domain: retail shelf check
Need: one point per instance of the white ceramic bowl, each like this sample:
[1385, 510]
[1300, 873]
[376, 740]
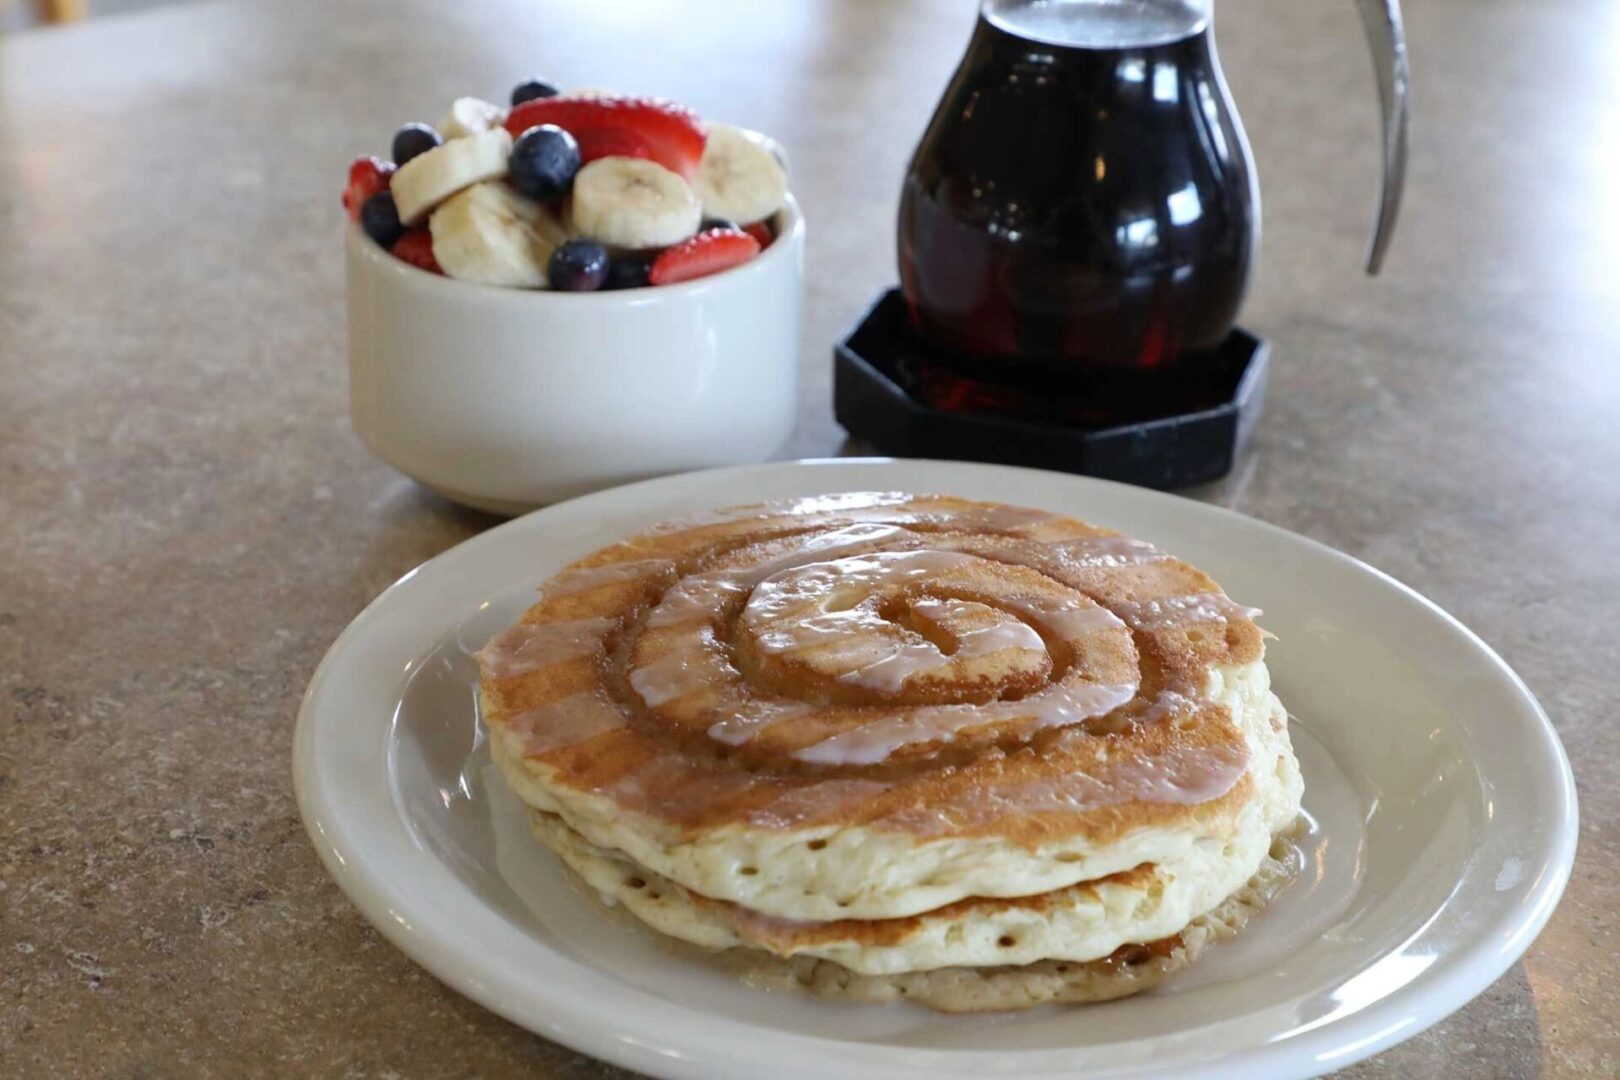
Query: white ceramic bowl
[507, 399]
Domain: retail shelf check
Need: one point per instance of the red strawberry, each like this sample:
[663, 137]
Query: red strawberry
[701, 255]
[416, 248]
[761, 232]
[612, 142]
[367, 176]
[660, 131]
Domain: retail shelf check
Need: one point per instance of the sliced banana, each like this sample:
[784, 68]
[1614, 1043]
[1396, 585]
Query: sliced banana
[428, 179]
[738, 177]
[632, 203]
[490, 234]
[469, 116]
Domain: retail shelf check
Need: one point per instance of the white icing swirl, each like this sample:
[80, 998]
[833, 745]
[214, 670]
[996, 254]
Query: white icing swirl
[832, 612]
[529, 646]
[863, 630]
[1062, 704]
[1168, 611]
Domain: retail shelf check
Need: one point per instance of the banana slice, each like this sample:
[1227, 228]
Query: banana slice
[490, 234]
[739, 178]
[469, 116]
[633, 203]
[428, 179]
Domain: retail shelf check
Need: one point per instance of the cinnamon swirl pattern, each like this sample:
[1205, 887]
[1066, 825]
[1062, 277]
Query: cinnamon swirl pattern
[897, 734]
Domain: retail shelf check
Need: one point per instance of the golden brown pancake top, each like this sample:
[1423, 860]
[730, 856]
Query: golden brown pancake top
[923, 664]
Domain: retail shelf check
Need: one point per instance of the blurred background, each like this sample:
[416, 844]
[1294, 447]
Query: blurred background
[23, 14]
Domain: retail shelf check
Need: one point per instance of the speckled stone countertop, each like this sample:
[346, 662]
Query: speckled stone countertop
[187, 521]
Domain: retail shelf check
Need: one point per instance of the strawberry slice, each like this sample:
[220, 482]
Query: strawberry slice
[761, 232]
[416, 248]
[612, 142]
[701, 255]
[367, 176]
[660, 131]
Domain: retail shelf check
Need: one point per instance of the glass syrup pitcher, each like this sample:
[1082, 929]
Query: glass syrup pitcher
[1084, 196]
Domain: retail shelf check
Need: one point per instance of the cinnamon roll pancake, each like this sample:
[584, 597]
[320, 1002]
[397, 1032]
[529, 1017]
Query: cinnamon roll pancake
[913, 739]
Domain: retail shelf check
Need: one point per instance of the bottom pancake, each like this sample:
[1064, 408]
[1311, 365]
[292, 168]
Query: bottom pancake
[1082, 922]
[721, 928]
[1130, 970]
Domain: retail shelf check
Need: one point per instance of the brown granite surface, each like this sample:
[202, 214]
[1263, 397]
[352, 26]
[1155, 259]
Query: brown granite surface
[186, 520]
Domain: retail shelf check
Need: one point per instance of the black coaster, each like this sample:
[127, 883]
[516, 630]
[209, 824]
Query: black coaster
[888, 391]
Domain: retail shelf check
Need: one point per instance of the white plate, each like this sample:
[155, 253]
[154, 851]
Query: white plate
[1444, 809]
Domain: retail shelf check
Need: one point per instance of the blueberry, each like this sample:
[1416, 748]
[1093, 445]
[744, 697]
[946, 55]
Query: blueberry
[578, 266]
[529, 89]
[628, 273]
[414, 139]
[380, 218]
[718, 223]
[544, 161]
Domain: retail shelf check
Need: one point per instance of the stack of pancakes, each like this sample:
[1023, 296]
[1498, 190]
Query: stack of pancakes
[892, 746]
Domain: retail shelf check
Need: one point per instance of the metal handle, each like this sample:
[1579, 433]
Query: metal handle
[1386, 38]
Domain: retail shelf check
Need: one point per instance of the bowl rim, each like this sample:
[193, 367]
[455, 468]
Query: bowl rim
[790, 236]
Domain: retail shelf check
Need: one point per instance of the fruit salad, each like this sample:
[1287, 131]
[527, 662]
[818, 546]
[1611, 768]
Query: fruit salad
[578, 192]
